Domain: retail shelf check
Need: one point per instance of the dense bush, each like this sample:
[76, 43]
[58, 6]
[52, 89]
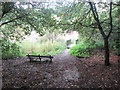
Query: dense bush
[114, 42]
[9, 50]
[79, 50]
[99, 44]
[82, 49]
[115, 46]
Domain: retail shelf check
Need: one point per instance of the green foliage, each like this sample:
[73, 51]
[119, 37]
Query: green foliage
[115, 43]
[99, 44]
[9, 50]
[82, 49]
[79, 50]
[114, 46]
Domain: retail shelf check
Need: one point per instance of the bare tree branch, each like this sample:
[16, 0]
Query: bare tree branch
[116, 4]
[110, 15]
[97, 19]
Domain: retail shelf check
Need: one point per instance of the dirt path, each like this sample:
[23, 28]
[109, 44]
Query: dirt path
[64, 72]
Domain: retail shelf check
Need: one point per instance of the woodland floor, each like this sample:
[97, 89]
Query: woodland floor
[64, 72]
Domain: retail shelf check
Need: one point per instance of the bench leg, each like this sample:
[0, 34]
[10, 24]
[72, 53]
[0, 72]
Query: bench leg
[50, 59]
[40, 59]
[30, 59]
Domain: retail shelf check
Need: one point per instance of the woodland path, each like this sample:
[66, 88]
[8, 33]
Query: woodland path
[64, 72]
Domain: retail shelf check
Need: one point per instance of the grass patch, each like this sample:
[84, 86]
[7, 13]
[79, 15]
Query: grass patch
[44, 48]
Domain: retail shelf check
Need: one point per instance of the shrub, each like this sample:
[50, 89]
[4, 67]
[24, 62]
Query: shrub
[82, 49]
[79, 50]
[99, 44]
[116, 47]
[9, 50]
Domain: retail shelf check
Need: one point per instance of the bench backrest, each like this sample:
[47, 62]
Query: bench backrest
[39, 56]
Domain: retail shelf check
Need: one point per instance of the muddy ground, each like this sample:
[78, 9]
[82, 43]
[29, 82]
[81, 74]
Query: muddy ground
[64, 71]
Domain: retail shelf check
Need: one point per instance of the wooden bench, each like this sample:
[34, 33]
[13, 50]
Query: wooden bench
[31, 57]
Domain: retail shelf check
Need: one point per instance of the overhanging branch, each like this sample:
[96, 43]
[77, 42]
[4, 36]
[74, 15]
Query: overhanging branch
[11, 21]
[110, 15]
[93, 8]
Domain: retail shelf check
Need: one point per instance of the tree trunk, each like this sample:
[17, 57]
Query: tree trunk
[106, 47]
